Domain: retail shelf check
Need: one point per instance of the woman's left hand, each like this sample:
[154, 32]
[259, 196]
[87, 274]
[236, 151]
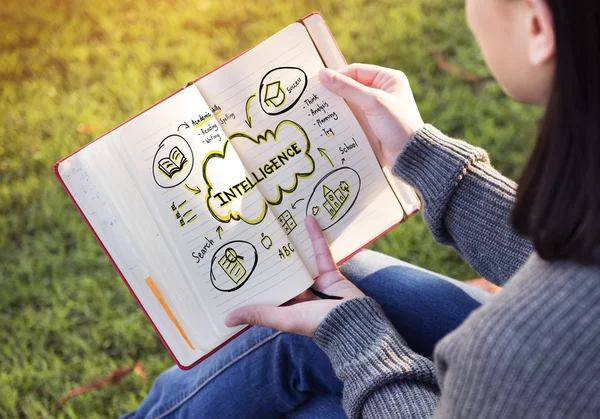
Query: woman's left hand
[303, 314]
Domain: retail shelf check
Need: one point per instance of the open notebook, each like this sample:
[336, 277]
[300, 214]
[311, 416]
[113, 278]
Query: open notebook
[200, 200]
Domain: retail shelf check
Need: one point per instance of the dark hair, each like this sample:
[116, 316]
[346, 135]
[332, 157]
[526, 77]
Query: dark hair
[558, 199]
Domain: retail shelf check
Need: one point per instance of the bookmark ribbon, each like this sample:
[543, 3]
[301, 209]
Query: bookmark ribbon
[165, 307]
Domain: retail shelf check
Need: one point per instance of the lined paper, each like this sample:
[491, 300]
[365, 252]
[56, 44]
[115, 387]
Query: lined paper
[227, 261]
[337, 145]
[88, 196]
[210, 189]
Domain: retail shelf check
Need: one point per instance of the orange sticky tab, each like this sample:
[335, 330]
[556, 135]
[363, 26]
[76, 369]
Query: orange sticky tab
[165, 307]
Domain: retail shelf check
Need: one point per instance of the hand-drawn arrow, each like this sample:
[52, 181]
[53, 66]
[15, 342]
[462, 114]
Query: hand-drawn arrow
[248, 118]
[195, 190]
[219, 232]
[325, 156]
[294, 204]
[343, 160]
[185, 124]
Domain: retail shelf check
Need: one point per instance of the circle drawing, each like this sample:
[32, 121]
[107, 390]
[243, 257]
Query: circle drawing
[232, 265]
[334, 196]
[173, 162]
[281, 88]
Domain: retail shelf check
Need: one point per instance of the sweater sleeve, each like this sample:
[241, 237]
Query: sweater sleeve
[467, 203]
[382, 376]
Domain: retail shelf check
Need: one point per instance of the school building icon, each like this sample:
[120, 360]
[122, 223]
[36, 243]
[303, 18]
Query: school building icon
[335, 199]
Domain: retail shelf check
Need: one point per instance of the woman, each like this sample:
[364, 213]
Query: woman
[533, 350]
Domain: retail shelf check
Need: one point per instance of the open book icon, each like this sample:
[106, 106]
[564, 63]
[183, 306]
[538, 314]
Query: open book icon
[173, 164]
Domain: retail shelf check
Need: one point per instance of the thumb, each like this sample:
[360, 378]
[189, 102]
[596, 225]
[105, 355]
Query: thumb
[256, 315]
[347, 87]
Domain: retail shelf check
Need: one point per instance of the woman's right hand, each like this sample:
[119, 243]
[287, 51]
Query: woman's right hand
[384, 95]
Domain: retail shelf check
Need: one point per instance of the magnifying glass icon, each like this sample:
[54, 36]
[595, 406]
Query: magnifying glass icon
[232, 256]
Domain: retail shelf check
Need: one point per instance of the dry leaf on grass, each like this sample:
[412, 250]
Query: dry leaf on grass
[112, 378]
[448, 67]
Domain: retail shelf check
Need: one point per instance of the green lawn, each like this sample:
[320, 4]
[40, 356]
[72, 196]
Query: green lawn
[72, 69]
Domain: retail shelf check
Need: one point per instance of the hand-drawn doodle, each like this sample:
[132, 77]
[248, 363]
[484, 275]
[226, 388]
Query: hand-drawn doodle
[266, 241]
[182, 217]
[296, 203]
[287, 222]
[296, 144]
[335, 199]
[173, 162]
[336, 192]
[195, 190]
[248, 117]
[324, 155]
[219, 232]
[274, 94]
[281, 88]
[232, 265]
[227, 184]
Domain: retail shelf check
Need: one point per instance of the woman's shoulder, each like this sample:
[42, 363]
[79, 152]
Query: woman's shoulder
[535, 345]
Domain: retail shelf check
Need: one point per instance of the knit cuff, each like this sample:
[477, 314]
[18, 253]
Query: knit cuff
[354, 330]
[368, 354]
[434, 164]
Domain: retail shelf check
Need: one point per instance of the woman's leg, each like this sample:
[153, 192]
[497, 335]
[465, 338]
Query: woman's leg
[423, 306]
[265, 373]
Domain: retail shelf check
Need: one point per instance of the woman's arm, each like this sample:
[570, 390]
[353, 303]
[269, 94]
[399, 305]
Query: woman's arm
[467, 203]
[382, 376]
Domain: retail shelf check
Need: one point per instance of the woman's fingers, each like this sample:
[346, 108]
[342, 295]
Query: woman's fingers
[323, 257]
[304, 313]
[376, 77]
[348, 88]
[256, 315]
[370, 75]
[326, 267]
[301, 318]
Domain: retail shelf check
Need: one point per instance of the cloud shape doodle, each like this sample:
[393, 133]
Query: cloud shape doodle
[277, 159]
[230, 193]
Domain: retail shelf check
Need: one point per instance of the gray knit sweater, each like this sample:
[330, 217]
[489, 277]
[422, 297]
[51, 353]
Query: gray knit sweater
[533, 350]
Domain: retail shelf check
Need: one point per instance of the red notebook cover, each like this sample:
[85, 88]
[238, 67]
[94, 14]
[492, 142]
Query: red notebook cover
[61, 180]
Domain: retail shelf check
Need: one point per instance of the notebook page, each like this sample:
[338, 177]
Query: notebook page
[301, 145]
[333, 58]
[181, 163]
[88, 196]
[138, 224]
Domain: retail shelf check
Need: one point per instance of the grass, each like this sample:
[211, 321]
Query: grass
[70, 70]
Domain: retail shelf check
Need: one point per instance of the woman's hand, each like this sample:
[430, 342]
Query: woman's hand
[303, 314]
[384, 96]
